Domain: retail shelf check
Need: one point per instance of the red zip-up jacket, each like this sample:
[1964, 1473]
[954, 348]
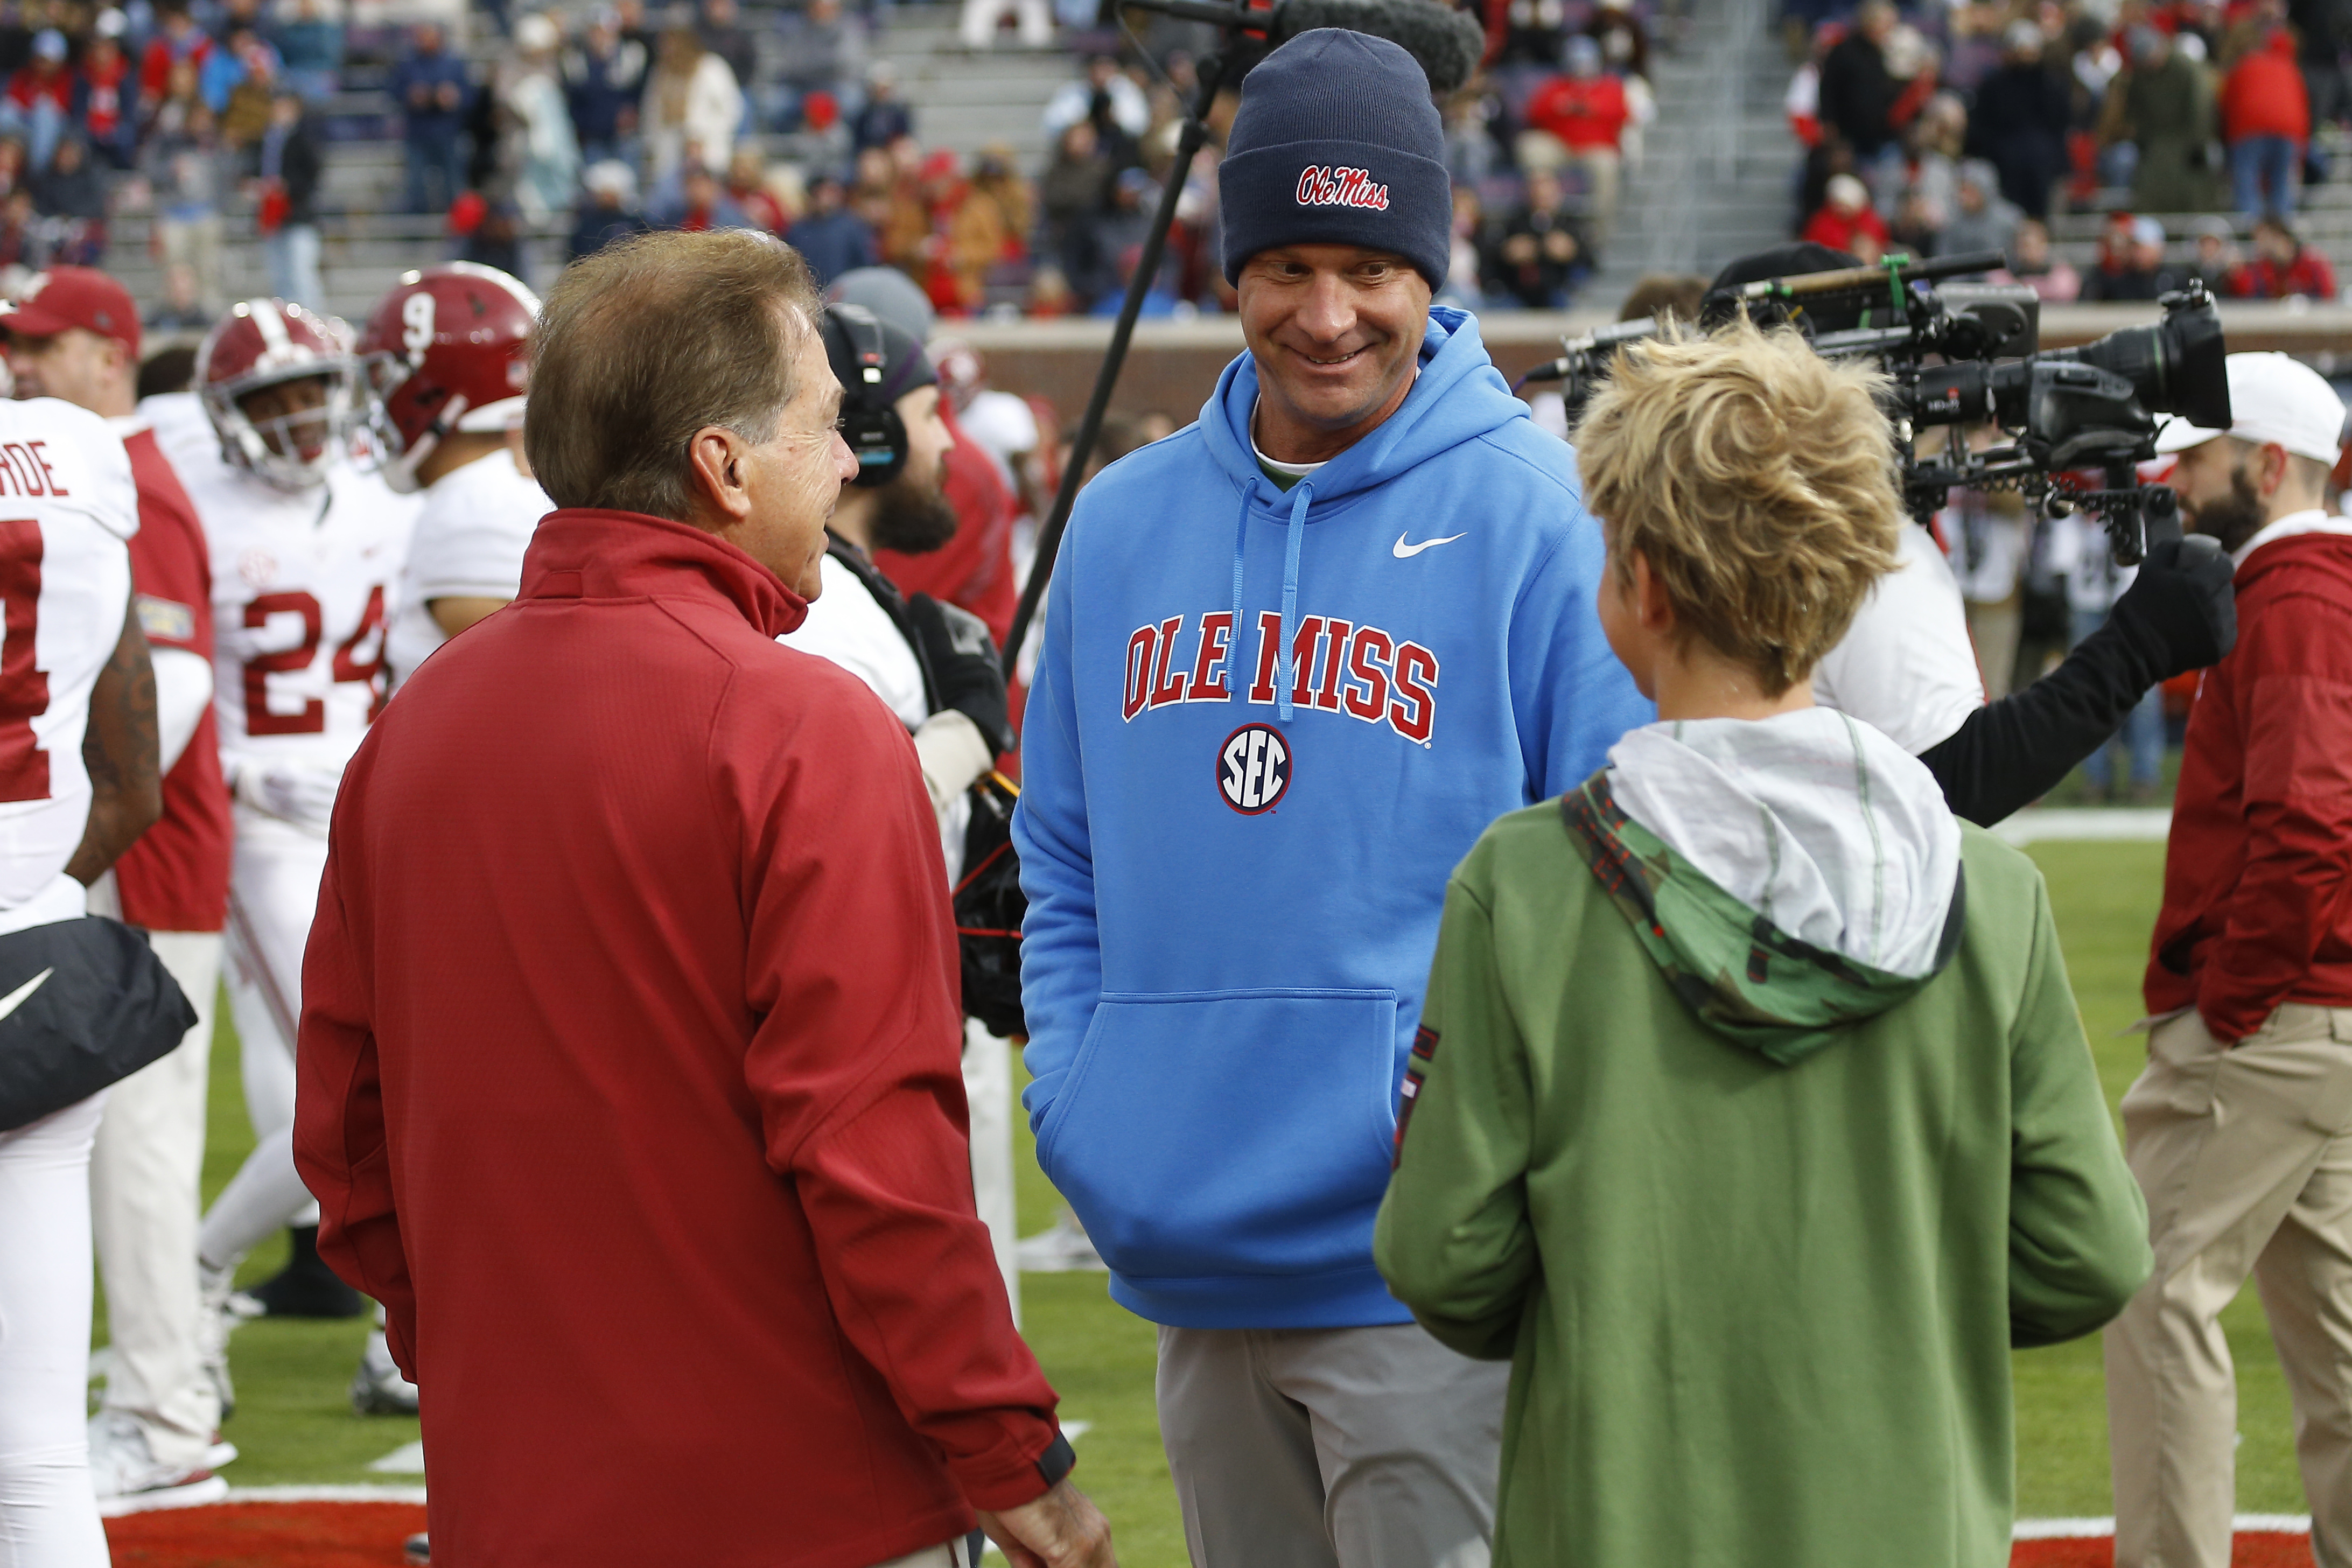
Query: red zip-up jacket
[2258, 872]
[629, 1084]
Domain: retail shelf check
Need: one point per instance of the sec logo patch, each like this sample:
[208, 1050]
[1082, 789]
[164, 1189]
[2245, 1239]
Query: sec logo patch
[1254, 768]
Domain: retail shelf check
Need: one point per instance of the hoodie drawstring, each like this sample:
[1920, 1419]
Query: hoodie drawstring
[1241, 547]
[1301, 494]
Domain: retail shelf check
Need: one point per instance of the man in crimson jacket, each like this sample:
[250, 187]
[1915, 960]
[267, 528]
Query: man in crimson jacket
[629, 1050]
[2240, 1130]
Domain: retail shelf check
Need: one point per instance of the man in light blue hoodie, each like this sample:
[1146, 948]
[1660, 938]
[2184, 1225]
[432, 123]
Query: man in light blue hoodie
[1296, 657]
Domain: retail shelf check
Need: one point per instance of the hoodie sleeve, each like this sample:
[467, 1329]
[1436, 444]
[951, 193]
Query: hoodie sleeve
[1061, 944]
[1454, 1239]
[2077, 1224]
[1571, 699]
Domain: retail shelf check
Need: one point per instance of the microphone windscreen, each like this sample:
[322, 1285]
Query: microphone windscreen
[1447, 42]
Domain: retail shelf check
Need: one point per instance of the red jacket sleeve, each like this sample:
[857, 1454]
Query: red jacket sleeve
[2294, 700]
[339, 1131]
[855, 1065]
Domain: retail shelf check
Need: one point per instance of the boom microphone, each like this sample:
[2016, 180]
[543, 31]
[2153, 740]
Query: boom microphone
[1448, 44]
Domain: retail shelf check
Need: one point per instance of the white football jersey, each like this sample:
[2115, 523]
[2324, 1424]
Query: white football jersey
[1906, 666]
[476, 523]
[303, 584]
[68, 506]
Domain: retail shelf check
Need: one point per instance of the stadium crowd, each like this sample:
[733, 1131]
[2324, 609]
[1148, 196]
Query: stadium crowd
[666, 132]
[212, 115]
[2194, 124]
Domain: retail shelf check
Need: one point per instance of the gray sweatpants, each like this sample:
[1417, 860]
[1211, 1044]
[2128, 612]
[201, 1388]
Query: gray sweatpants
[1372, 1447]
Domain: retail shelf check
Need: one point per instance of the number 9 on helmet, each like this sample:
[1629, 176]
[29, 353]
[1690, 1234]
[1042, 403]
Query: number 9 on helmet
[445, 351]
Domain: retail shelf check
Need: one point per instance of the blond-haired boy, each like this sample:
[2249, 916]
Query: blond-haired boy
[1751, 1117]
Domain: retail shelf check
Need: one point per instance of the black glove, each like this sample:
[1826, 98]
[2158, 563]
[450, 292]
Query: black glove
[957, 646]
[2181, 613]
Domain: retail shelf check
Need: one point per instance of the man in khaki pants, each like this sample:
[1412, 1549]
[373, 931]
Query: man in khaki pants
[2241, 1128]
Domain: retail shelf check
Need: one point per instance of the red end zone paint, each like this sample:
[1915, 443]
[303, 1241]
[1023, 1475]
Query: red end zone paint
[2251, 1549]
[269, 1535]
[369, 1535]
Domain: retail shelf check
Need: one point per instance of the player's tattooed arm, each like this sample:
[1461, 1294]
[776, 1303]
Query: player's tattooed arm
[120, 750]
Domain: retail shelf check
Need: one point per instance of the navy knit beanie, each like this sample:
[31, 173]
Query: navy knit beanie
[1337, 143]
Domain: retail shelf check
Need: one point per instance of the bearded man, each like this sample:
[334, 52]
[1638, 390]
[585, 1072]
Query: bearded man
[2240, 1130]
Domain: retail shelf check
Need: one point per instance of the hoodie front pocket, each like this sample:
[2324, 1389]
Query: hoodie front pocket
[1228, 1132]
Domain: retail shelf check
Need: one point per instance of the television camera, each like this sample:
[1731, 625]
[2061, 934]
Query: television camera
[1967, 356]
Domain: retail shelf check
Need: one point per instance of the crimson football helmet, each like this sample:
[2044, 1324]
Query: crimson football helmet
[444, 351]
[263, 343]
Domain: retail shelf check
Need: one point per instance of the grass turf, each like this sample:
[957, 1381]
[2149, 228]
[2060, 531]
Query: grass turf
[2105, 898]
[293, 1426]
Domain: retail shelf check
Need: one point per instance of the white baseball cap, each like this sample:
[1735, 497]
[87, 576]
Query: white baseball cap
[2273, 400]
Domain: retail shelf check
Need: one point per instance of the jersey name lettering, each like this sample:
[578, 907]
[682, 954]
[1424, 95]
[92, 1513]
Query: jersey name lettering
[24, 470]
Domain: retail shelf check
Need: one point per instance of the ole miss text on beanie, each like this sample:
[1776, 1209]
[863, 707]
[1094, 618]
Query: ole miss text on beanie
[1337, 143]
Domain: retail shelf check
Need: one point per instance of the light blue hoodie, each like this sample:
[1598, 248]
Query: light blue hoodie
[1235, 879]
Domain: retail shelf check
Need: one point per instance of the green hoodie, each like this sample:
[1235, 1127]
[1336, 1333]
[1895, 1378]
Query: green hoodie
[1755, 1222]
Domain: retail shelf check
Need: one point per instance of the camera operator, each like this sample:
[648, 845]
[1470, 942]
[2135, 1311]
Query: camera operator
[1906, 667]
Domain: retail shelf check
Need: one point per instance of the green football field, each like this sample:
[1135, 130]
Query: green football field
[293, 1425]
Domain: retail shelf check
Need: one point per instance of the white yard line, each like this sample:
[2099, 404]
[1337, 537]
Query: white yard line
[114, 1508]
[408, 1459]
[2149, 825]
[2092, 1528]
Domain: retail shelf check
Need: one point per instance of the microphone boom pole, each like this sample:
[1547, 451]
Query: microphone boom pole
[1235, 19]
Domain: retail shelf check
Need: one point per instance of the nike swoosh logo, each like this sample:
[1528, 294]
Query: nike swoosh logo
[1405, 552]
[16, 999]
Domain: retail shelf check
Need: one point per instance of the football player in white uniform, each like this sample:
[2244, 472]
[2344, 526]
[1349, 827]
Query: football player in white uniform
[442, 355]
[78, 782]
[306, 550]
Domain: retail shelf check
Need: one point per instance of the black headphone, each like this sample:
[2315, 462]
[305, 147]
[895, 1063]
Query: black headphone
[870, 421]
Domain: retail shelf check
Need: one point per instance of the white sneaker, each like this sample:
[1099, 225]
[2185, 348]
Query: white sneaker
[121, 1467]
[213, 1321]
[377, 1387]
[1064, 1249]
